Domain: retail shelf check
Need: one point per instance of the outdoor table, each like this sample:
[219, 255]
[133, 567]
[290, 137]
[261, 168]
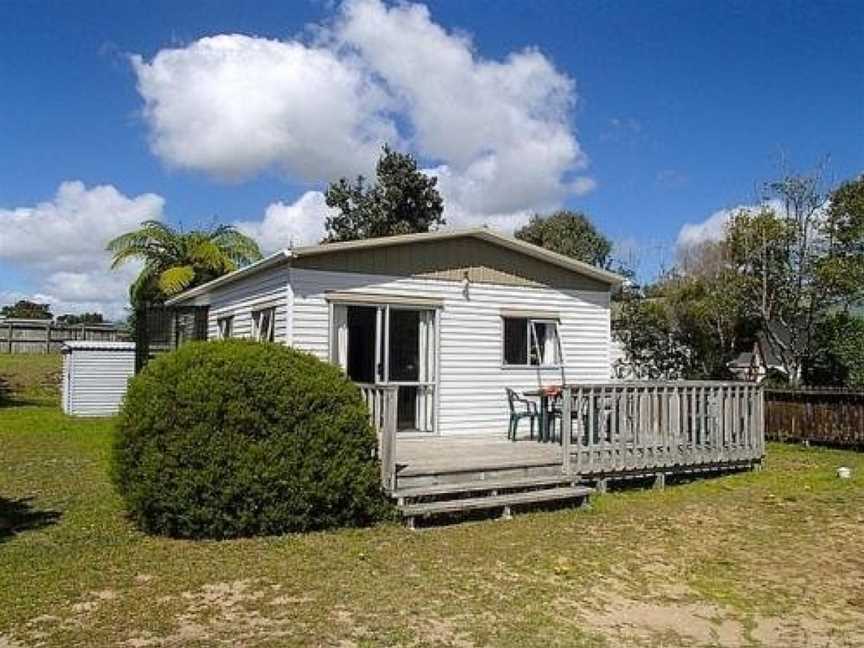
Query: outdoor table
[547, 395]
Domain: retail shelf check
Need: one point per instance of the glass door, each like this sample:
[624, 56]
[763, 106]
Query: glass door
[391, 345]
[411, 366]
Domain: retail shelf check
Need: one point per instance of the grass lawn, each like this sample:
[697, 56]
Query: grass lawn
[770, 558]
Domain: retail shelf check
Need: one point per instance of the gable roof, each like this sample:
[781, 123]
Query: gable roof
[287, 255]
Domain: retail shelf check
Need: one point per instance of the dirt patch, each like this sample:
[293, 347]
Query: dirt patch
[628, 621]
[674, 617]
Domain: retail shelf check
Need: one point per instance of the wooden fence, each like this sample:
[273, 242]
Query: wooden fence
[35, 336]
[823, 416]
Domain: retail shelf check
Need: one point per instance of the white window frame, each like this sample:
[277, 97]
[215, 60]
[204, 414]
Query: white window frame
[220, 327]
[531, 343]
[267, 332]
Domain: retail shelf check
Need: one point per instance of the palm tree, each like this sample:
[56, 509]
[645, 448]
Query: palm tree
[175, 260]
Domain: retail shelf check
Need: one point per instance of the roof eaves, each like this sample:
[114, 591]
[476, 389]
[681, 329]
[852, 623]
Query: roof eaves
[261, 264]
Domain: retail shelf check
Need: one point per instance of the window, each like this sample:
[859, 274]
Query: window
[224, 327]
[262, 325]
[530, 342]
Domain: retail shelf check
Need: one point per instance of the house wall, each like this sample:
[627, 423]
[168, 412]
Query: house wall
[471, 375]
[238, 299]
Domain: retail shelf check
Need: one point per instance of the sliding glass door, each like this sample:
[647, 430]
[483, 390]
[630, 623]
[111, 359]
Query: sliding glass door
[391, 345]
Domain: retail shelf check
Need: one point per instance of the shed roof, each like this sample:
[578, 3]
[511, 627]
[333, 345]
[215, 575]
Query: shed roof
[97, 345]
[482, 233]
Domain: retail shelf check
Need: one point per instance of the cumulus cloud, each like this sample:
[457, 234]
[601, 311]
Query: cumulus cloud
[496, 132]
[60, 245]
[232, 105]
[284, 225]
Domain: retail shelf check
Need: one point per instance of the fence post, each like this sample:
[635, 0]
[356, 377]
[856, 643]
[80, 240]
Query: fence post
[9, 341]
[388, 440]
[566, 428]
[48, 337]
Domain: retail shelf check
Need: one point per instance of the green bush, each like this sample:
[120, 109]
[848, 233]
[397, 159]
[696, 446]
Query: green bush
[238, 438]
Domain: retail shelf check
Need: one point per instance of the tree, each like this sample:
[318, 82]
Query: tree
[569, 233]
[650, 336]
[175, 260]
[404, 200]
[25, 309]
[844, 231]
[839, 356]
[794, 262]
[82, 318]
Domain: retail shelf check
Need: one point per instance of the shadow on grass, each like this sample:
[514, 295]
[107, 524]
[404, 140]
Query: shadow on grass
[18, 401]
[18, 515]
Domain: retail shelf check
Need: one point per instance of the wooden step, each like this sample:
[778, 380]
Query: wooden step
[481, 485]
[494, 501]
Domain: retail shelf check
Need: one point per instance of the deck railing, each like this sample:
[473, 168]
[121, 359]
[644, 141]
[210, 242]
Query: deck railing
[648, 426]
[381, 402]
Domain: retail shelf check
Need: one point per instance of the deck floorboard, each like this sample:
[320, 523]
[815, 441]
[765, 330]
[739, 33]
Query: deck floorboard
[454, 454]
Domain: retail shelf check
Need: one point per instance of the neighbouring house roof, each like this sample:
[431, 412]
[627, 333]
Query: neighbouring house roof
[314, 256]
[742, 360]
[770, 353]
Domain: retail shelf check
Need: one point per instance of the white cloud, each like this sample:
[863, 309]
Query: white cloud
[498, 132]
[233, 105]
[500, 127]
[298, 223]
[60, 245]
[713, 228]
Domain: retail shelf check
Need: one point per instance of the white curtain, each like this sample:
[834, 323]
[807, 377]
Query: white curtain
[550, 351]
[340, 336]
[426, 374]
[545, 337]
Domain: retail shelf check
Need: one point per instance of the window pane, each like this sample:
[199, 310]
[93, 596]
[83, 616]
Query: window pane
[515, 341]
[404, 345]
[224, 326]
[263, 325]
[268, 325]
[545, 347]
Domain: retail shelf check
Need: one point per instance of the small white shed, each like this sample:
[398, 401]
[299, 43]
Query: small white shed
[95, 376]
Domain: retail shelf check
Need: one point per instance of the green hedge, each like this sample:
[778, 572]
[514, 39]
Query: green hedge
[238, 438]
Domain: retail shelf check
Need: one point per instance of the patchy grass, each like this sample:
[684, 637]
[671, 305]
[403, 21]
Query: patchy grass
[770, 558]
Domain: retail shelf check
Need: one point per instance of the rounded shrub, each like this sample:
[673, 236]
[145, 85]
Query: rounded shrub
[239, 438]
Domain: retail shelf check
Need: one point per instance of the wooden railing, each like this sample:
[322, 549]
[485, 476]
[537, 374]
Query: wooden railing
[649, 426]
[381, 402]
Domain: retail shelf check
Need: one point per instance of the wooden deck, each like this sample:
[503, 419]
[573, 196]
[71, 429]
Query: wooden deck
[418, 456]
[604, 432]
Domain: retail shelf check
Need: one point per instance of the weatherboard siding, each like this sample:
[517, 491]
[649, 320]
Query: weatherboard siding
[471, 375]
[240, 298]
[95, 381]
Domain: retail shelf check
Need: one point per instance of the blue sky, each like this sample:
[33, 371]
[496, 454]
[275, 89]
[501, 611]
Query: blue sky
[646, 115]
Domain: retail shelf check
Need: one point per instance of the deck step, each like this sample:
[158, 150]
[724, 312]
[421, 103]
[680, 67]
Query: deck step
[481, 485]
[495, 501]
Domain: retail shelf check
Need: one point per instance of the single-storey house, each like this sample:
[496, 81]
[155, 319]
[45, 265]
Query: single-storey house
[756, 365]
[451, 318]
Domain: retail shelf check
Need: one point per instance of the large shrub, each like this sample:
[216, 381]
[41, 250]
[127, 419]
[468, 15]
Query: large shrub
[238, 438]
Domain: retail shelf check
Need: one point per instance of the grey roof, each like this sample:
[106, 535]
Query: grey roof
[97, 345]
[770, 353]
[743, 359]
